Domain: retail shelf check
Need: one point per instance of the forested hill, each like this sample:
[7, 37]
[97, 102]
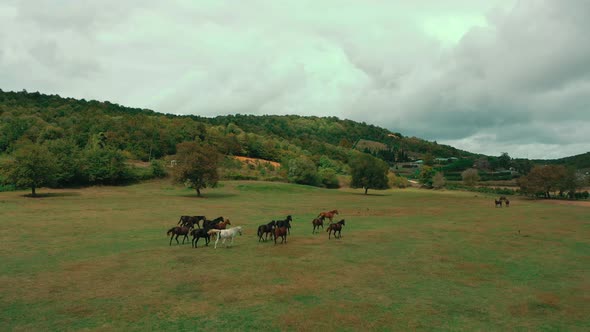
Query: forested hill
[145, 134]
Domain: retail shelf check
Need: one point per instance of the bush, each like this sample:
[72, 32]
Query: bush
[328, 178]
[157, 168]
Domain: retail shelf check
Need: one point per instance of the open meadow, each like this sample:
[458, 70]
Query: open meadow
[98, 258]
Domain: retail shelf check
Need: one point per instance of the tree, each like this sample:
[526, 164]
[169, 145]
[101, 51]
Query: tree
[504, 160]
[196, 165]
[303, 171]
[543, 180]
[438, 181]
[368, 173]
[470, 176]
[105, 166]
[32, 166]
[425, 176]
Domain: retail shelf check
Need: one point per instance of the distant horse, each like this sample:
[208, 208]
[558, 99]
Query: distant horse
[317, 222]
[507, 202]
[177, 231]
[336, 227]
[328, 214]
[226, 234]
[282, 229]
[498, 202]
[191, 221]
[265, 230]
[199, 233]
[211, 223]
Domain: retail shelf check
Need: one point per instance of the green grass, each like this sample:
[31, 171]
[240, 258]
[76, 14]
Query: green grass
[98, 259]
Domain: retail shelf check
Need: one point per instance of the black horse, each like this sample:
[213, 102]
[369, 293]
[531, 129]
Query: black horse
[188, 221]
[337, 227]
[200, 233]
[288, 220]
[177, 231]
[498, 202]
[265, 230]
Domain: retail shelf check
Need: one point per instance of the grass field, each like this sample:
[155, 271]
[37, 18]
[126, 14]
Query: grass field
[99, 259]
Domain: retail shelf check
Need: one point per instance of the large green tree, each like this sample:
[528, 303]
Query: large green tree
[368, 173]
[31, 166]
[302, 170]
[196, 165]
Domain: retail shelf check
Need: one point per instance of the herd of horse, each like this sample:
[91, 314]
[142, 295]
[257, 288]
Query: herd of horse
[218, 228]
[502, 199]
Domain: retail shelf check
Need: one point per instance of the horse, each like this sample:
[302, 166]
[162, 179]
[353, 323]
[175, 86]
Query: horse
[336, 227]
[200, 233]
[317, 222]
[507, 202]
[226, 234]
[498, 202]
[328, 214]
[282, 229]
[287, 220]
[222, 225]
[265, 230]
[178, 230]
[191, 221]
[211, 223]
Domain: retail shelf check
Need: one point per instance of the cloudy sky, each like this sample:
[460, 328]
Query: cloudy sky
[487, 76]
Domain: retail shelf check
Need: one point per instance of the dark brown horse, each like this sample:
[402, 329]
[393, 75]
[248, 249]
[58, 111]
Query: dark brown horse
[507, 202]
[336, 227]
[264, 230]
[177, 231]
[328, 214]
[189, 221]
[317, 222]
[498, 202]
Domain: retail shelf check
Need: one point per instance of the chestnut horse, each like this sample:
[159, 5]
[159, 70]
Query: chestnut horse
[336, 227]
[328, 214]
[317, 222]
[282, 228]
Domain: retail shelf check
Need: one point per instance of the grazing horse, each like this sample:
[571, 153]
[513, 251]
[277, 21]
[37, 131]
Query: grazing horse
[336, 227]
[265, 230]
[498, 202]
[328, 214]
[211, 223]
[317, 222]
[200, 233]
[226, 234]
[191, 221]
[177, 231]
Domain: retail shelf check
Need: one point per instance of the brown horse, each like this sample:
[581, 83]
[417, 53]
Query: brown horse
[281, 229]
[507, 202]
[336, 227]
[177, 231]
[498, 202]
[328, 214]
[317, 222]
[222, 225]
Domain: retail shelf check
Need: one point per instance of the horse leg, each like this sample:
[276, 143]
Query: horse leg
[171, 239]
[216, 240]
[177, 235]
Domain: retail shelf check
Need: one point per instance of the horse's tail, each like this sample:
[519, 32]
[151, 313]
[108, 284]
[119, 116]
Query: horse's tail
[213, 231]
[171, 230]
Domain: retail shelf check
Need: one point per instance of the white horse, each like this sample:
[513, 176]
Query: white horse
[225, 234]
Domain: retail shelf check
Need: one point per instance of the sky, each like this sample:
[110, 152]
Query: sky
[486, 76]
